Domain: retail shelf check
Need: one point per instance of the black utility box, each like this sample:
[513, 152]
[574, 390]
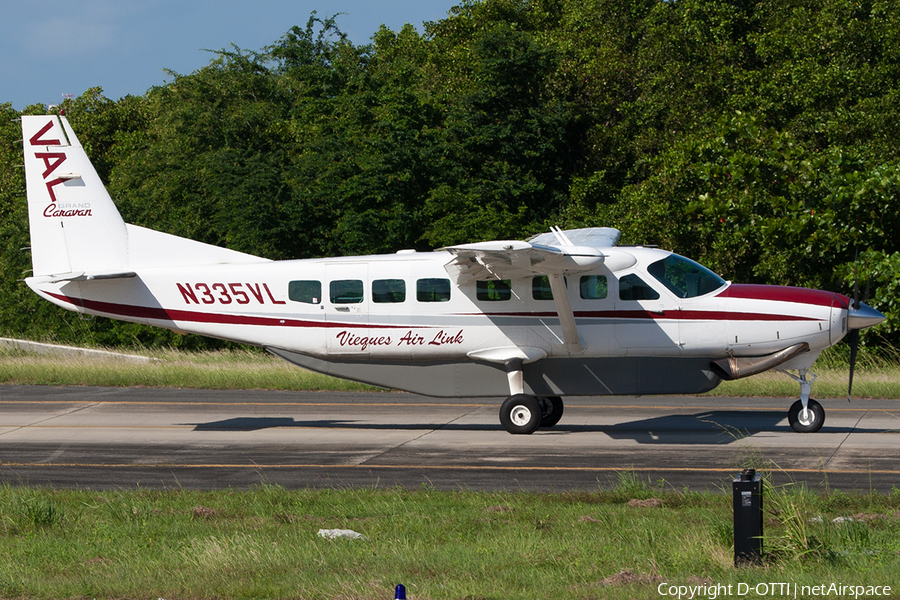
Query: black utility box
[748, 517]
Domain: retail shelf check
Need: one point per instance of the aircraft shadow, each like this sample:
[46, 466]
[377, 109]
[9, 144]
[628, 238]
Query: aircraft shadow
[259, 423]
[703, 428]
[717, 427]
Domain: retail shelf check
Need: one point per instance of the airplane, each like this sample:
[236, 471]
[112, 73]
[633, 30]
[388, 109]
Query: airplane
[564, 313]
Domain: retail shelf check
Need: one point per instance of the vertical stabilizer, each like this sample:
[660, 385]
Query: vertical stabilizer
[75, 227]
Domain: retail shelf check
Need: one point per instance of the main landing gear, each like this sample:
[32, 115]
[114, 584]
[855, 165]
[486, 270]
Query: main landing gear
[523, 414]
[806, 415]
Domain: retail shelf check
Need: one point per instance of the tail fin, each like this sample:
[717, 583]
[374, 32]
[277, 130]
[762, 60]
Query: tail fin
[76, 230]
[75, 227]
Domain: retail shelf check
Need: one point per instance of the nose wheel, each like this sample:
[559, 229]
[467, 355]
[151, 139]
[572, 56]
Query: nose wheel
[809, 420]
[806, 415]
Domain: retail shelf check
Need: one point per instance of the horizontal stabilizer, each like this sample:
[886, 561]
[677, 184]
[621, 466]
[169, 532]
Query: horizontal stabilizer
[150, 248]
[81, 276]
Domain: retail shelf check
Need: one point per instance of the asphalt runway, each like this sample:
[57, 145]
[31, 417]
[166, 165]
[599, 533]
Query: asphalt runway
[115, 438]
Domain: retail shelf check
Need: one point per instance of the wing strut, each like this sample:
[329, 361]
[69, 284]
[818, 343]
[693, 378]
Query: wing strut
[551, 254]
[564, 312]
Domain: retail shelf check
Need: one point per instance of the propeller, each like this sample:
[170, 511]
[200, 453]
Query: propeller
[859, 317]
[854, 333]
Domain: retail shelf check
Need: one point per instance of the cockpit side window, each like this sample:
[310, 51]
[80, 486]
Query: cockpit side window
[684, 277]
[632, 287]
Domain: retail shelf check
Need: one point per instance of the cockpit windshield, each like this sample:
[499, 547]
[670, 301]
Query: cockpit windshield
[684, 277]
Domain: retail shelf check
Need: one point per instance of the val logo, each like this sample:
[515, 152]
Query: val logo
[53, 159]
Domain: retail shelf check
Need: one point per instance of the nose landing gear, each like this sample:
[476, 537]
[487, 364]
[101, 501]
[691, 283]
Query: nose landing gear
[806, 415]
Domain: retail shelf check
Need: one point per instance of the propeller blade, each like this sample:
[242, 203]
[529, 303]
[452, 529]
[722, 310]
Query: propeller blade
[854, 346]
[854, 333]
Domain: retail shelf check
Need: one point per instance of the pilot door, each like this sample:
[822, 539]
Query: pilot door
[646, 318]
[347, 308]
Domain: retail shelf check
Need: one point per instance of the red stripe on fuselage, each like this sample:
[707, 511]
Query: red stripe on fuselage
[780, 293]
[690, 315]
[165, 314]
[682, 315]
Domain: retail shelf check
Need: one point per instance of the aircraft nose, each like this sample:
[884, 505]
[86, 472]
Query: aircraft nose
[864, 316]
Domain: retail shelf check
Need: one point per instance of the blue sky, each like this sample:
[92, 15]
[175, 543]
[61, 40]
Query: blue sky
[50, 48]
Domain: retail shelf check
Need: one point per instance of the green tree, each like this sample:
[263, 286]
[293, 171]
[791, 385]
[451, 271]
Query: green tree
[509, 144]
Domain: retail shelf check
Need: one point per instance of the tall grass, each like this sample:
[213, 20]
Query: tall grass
[223, 369]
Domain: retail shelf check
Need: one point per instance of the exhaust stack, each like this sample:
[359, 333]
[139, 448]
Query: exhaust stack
[738, 367]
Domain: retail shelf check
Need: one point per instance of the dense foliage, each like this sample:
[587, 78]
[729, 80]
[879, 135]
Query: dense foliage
[757, 136]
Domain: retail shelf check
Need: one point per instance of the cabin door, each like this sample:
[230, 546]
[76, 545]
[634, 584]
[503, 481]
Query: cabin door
[347, 297]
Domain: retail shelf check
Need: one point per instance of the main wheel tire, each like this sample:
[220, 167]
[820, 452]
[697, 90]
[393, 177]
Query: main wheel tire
[551, 410]
[520, 414]
[813, 420]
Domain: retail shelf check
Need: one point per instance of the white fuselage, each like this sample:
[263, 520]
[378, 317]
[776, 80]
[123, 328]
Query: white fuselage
[423, 320]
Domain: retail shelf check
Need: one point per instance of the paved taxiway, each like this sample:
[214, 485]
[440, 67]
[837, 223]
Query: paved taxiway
[102, 438]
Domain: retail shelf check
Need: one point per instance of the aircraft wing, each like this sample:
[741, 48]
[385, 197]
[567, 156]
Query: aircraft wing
[513, 259]
[508, 259]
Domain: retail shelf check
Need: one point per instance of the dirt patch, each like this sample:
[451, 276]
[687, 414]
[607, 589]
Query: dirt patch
[629, 577]
[867, 517]
[646, 503]
[203, 512]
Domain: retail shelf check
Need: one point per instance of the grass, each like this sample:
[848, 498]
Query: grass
[876, 376]
[224, 369]
[263, 543]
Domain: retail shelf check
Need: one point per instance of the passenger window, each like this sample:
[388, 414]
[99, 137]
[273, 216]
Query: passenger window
[632, 287]
[593, 287]
[307, 291]
[388, 290]
[346, 291]
[540, 288]
[433, 290]
[493, 290]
